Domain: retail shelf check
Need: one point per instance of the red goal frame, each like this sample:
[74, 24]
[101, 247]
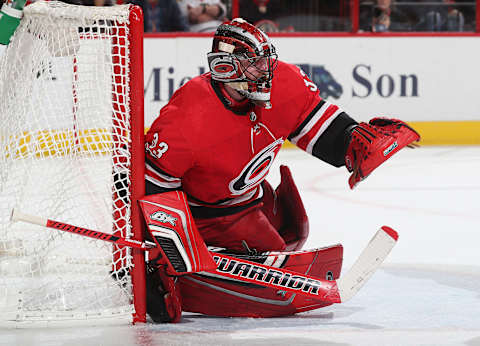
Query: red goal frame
[137, 169]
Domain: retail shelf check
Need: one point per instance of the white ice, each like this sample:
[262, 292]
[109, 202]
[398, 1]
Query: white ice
[426, 293]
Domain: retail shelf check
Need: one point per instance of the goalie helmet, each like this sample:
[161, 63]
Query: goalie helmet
[244, 57]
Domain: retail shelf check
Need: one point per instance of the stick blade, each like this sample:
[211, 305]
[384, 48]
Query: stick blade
[370, 259]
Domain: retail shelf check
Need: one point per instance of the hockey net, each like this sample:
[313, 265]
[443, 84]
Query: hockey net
[71, 149]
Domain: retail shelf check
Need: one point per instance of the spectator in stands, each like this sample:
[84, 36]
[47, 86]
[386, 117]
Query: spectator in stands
[161, 15]
[288, 15]
[203, 15]
[262, 13]
[443, 16]
[384, 16]
[467, 8]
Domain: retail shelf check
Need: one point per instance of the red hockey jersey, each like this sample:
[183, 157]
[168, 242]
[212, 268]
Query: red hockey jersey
[219, 156]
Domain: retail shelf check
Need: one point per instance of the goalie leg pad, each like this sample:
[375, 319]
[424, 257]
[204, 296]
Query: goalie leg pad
[216, 296]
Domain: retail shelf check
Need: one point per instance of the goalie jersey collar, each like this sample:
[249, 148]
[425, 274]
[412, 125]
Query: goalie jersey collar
[237, 107]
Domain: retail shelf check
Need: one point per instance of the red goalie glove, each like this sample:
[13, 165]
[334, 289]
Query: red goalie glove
[373, 143]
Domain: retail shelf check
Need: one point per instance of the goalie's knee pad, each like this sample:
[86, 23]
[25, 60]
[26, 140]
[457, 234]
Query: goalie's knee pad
[163, 298]
[285, 210]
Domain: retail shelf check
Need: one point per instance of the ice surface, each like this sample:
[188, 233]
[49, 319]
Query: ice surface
[427, 292]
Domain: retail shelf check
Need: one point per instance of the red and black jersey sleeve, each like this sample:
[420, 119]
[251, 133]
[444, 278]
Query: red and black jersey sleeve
[321, 127]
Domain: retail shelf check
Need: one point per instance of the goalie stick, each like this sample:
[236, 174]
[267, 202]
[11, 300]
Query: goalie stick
[61, 226]
[335, 291]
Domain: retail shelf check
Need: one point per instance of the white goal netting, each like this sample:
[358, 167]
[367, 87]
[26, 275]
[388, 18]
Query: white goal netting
[65, 134]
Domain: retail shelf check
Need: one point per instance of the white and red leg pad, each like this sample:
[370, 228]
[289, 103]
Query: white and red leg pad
[173, 229]
[214, 295]
[285, 210]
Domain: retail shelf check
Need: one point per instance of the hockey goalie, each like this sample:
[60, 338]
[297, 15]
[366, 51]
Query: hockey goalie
[207, 157]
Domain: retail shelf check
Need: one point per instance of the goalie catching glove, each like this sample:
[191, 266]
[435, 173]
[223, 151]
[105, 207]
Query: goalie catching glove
[373, 143]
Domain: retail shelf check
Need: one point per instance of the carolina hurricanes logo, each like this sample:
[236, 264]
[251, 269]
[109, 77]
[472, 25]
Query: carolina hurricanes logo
[223, 66]
[256, 170]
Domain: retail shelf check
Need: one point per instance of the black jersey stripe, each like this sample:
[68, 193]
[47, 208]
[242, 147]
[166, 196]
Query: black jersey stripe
[307, 120]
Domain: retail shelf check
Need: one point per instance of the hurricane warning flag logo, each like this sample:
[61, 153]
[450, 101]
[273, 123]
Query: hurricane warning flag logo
[163, 217]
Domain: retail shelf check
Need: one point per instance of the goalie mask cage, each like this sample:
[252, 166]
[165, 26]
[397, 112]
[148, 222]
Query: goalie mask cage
[71, 149]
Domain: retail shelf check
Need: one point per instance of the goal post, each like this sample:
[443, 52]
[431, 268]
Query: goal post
[71, 148]
[137, 167]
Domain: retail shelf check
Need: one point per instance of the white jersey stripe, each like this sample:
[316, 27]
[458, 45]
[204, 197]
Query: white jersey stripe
[311, 123]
